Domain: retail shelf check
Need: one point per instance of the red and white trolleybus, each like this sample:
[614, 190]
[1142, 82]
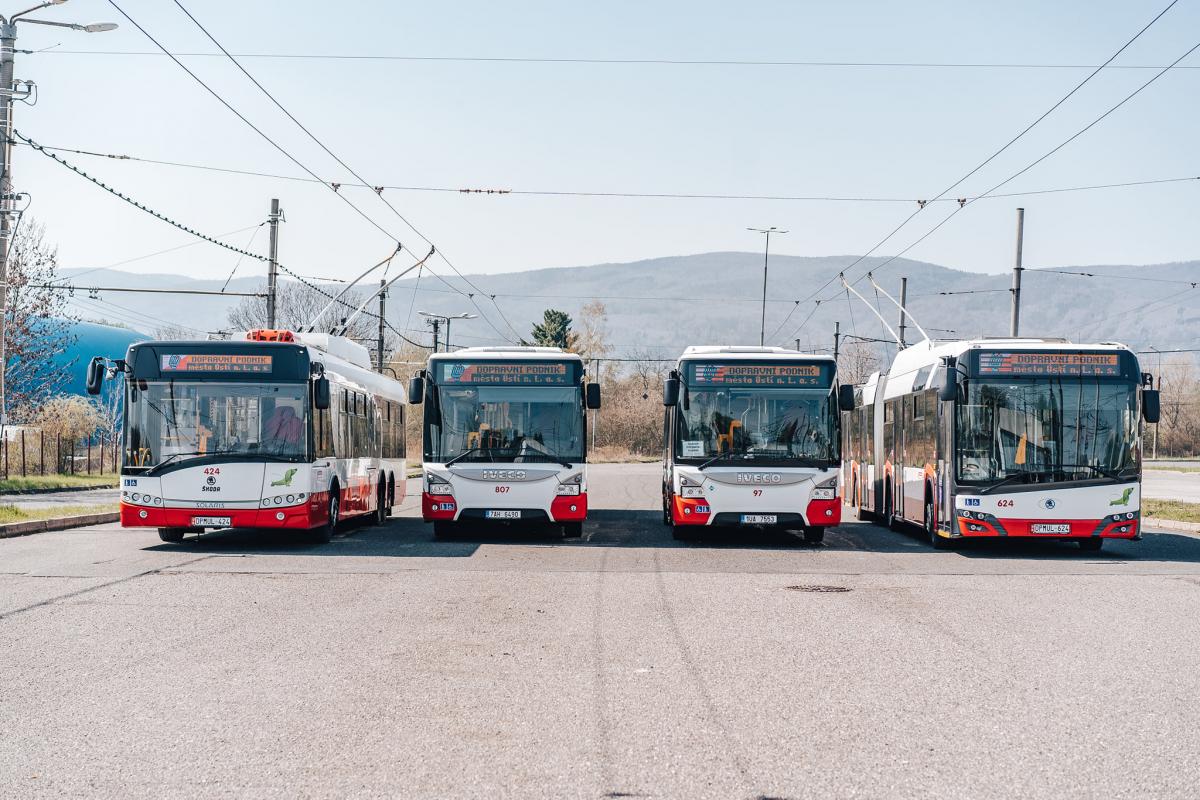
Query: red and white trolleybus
[275, 430]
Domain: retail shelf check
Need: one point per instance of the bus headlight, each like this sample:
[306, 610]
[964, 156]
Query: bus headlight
[567, 489]
[684, 480]
[438, 486]
[691, 491]
[826, 489]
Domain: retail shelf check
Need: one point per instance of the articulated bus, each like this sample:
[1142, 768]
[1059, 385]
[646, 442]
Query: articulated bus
[505, 432]
[1002, 437]
[751, 438]
[276, 430]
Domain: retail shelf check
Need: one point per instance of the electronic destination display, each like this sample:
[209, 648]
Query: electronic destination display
[1027, 364]
[508, 373]
[701, 375]
[214, 362]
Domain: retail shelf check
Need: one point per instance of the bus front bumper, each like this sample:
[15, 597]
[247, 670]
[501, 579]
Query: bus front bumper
[563, 508]
[1116, 526]
[297, 517]
[698, 511]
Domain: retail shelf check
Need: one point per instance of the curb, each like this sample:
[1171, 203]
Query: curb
[1172, 525]
[58, 489]
[56, 524]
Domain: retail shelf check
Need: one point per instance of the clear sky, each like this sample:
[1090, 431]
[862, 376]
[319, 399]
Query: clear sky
[903, 132]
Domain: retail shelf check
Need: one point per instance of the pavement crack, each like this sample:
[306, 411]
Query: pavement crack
[105, 585]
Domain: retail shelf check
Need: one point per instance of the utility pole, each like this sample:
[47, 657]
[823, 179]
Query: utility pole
[273, 264]
[797, 345]
[762, 335]
[437, 319]
[903, 303]
[1014, 327]
[382, 309]
[837, 341]
[8, 89]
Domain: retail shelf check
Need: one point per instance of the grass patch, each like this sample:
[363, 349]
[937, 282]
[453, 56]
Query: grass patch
[1172, 469]
[1170, 509]
[11, 513]
[35, 483]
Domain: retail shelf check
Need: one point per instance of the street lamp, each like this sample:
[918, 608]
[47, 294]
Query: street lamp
[436, 319]
[762, 334]
[8, 42]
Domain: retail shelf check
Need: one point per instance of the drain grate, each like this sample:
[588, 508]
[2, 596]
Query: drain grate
[818, 588]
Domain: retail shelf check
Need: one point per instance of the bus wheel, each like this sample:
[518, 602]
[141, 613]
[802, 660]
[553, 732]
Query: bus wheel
[380, 515]
[814, 535]
[666, 509]
[443, 529]
[888, 511]
[1092, 544]
[323, 533]
[572, 530]
[172, 535]
[938, 542]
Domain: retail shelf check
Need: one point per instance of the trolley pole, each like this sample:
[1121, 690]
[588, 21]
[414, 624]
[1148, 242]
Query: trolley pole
[382, 309]
[1015, 327]
[903, 304]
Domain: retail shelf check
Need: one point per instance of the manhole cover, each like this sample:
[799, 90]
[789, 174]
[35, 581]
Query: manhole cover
[815, 588]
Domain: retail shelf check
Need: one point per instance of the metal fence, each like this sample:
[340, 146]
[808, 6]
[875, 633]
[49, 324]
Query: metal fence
[31, 452]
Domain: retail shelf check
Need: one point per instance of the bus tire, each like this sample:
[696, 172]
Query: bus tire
[391, 495]
[666, 508]
[814, 535]
[380, 515]
[322, 534]
[938, 542]
[443, 529]
[889, 515]
[1093, 544]
[572, 530]
[172, 535]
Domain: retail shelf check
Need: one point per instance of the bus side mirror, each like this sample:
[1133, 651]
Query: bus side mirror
[949, 388]
[1150, 405]
[592, 395]
[321, 393]
[416, 390]
[95, 375]
[671, 392]
[845, 398]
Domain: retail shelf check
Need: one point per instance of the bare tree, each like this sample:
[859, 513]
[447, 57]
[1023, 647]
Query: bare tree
[856, 362]
[38, 325]
[297, 305]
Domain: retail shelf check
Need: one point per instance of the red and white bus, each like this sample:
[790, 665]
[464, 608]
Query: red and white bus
[505, 438]
[275, 430]
[1032, 438]
[751, 438]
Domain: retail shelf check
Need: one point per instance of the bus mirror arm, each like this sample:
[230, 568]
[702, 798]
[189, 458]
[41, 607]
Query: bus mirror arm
[845, 397]
[949, 388]
[1150, 405]
[416, 390]
[321, 393]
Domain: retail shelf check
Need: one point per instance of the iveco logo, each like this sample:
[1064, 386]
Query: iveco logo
[759, 477]
[504, 474]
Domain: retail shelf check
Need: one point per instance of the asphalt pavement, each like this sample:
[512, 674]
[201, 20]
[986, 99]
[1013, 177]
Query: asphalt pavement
[1163, 484]
[81, 497]
[507, 664]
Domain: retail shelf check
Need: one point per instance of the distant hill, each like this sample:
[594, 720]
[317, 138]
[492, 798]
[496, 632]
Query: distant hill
[663, 304]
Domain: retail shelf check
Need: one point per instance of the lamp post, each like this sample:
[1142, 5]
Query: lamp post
[440, 318]
[8, 41]
[762, 333]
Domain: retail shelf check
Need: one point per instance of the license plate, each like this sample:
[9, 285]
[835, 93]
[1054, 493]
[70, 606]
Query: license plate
[505, 514]
[1043, 527]
[760, 519]
[212, 522]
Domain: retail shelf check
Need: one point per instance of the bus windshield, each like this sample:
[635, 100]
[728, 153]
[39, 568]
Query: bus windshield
[1046, 429]
[505, 423]
[772, 424]
[177, 420]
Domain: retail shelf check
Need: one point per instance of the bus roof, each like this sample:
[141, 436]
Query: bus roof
[507, 353]
[745, 353]
[910, 361]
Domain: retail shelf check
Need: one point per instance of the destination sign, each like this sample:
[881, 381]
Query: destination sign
[213, 362]
[540, 373]
[1033, 364]
[701, 374]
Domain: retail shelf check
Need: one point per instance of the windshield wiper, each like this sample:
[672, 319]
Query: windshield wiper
[466, 453]
[545, 454]
[242, 453]
[1105, 472]
[745, 451]
[1015, 477]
